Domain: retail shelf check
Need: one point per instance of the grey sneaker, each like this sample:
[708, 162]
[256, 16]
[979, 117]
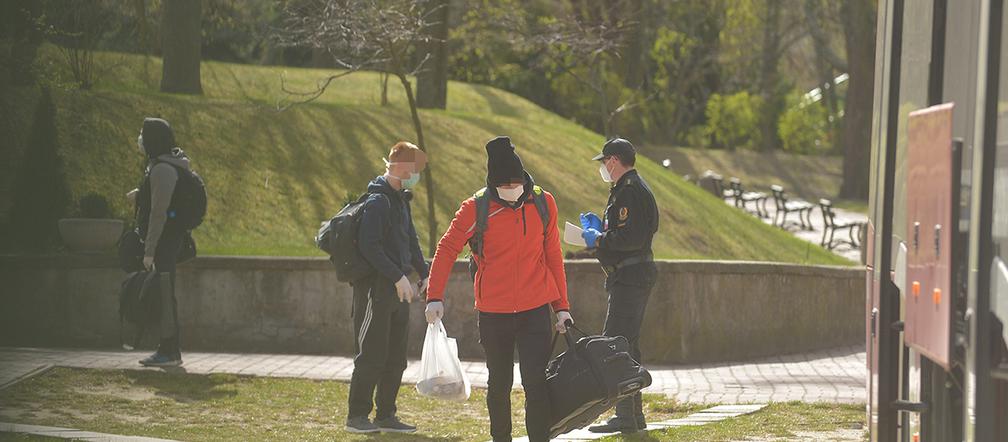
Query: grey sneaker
[360, 425]
[392, 424]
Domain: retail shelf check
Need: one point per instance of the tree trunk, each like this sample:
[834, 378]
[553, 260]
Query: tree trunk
[384, 88]
[181, 45]
[432, 227]
[432, 80]
[859, 35]
[769, 84]
[18, 25]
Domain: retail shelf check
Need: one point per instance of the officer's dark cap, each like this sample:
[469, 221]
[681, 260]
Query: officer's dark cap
[619, 147]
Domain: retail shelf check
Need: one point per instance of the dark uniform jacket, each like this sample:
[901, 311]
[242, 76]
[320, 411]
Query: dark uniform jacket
[630, 221]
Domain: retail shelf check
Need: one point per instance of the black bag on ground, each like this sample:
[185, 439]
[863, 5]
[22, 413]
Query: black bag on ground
[589, 378]
[139, 304]
[338, 238]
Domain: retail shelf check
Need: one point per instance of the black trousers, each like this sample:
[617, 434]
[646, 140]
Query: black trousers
[381, 325]
[629, 289]
[499, 333]
[165, 257]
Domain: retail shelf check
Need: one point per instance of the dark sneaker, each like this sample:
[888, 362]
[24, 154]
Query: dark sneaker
[160, 360]
[360, 425]
[641, 423]
[392, 424]
[615, 424]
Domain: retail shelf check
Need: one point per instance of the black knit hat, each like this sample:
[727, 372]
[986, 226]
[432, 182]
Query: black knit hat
[503, 164]
[158, 138]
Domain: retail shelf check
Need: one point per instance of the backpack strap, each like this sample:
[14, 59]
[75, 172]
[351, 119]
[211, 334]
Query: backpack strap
[539, 198]
[482, 217]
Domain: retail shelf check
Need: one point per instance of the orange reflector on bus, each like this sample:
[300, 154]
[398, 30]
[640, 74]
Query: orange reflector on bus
[937, 296]
[915, 288]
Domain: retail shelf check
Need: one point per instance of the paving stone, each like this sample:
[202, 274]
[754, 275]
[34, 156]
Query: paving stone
[69, 433]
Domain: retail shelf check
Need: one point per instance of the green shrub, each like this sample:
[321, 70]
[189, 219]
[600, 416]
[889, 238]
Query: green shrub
[94, 206]
[803, 127]
[733, 120]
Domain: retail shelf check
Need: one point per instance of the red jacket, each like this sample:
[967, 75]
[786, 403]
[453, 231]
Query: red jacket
[521, 269]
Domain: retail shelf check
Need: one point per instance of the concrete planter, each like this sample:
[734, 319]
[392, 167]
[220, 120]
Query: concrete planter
[90, 235]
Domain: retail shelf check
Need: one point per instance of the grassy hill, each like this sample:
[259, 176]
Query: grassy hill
[273, 176]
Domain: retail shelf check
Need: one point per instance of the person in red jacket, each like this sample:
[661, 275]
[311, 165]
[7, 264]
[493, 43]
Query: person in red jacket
[519, 278]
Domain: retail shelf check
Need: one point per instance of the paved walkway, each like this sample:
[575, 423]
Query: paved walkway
[836, 376]
[815, 235]
[704, 417]
[70, 433]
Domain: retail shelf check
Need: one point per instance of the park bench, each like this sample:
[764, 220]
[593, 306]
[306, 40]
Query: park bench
[758, 199]
[714, 183]
[785, 206]
[831, 227]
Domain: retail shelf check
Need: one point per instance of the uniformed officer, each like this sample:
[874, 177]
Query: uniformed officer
[623, 242]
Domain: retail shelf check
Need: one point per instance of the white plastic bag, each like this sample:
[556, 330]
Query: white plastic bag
[441, 374]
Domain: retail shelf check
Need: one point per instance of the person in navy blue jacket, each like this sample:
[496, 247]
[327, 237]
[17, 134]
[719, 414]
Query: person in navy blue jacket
[388, 241]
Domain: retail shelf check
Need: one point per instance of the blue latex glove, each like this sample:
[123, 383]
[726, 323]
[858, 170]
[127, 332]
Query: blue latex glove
[591, 237]
[591, 221]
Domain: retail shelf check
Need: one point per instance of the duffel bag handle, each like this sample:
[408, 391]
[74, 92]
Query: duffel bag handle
[567, 336]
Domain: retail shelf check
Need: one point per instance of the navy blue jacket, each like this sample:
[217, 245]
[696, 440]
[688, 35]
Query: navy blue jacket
[387, 238]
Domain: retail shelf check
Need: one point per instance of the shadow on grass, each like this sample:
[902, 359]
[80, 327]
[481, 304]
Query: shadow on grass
[176, 384]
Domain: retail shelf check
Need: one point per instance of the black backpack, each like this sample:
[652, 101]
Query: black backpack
[338, 238]
[189, 200]
[483, 216]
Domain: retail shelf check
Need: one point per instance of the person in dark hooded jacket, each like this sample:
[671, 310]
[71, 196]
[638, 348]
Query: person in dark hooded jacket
[388, 241]
[163, 239]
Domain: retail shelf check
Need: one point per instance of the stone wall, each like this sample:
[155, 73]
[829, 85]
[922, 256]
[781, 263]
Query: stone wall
[700, 311]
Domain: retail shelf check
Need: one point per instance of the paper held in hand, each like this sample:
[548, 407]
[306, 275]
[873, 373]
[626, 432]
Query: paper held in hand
[572, 235]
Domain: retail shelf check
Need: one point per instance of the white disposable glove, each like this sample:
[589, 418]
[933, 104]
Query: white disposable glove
[562, 318]
[405, 290]
[148, 263]
[423, 286]
[434, 311]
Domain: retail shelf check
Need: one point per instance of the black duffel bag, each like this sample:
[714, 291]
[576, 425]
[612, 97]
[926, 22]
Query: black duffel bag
[139, 304]
[589, 378]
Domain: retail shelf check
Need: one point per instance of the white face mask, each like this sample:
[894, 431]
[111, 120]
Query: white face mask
[510, 195]
[606, 176]
[140, 144]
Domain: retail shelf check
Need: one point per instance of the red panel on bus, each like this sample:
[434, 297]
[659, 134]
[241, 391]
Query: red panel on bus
[929, 205]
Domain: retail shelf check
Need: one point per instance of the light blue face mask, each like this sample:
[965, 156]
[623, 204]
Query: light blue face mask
[407, 183]
[413, 179]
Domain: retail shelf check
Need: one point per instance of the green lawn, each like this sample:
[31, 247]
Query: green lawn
[273, 176]
[228, 407]
[778, 421]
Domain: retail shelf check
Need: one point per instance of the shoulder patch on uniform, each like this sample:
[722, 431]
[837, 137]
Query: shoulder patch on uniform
[479, 193]
[538, 190]
[623, 213]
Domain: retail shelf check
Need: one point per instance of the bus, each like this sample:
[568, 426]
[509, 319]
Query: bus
[936, 243]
